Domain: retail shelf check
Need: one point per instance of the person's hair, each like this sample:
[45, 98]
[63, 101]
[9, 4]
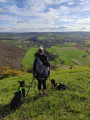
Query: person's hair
[40, 50]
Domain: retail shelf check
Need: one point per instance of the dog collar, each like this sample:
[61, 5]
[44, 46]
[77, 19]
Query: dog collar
[20, 88]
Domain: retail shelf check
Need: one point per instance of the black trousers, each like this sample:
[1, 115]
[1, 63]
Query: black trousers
[40, 82]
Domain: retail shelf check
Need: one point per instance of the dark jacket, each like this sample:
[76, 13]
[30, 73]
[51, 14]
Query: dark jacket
[43, 59]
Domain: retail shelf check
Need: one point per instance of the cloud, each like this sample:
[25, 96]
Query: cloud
[55, 15]
[3, 0]
[61, 1]
[84, 21]
[65, 10]
[36, 7]
[27, 28]
[84, 5]
[70, 3]
[30, 7]
[2, 10]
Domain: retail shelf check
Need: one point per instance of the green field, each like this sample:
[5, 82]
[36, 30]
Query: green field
[29, 57]
[70, 55]
[87, 41]
[45, 38]
[71, 104]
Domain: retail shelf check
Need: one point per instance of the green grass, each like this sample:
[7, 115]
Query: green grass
[29, 57]
[42, 37]
[87, 41]
[70, 55]
[71, 104]
[45, 38]
[88, 57]
[62, 45]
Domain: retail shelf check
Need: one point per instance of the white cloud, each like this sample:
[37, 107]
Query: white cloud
[61, 1]
[31, 7]
[84, 2]
[82, 21]
[37, 7]
[27, 28]
[11, 20]
[32, 15]
[65, 10]
[5, 17]
[3, 0]
[2, 10]
[70, 3]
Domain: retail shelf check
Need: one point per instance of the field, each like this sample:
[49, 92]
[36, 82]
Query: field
[87, 41]
[71, 104]
[29, 57]
[70, 55]
[45, 38]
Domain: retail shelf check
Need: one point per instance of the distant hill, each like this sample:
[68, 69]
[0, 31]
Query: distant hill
[11, 55]
[47, 39]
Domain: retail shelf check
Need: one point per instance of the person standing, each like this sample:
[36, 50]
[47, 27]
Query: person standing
[41, 70]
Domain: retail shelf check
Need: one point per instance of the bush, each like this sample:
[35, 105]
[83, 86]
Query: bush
[5, 72]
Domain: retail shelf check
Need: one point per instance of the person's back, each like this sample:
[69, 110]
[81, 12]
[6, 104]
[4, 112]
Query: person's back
[42, 66]
[41, 69]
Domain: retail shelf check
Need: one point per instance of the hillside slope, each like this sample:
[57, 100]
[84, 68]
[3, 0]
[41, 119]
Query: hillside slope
[71, 104]
[11, 55]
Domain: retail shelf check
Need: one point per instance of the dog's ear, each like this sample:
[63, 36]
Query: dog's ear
[21, 81]
[53, 81]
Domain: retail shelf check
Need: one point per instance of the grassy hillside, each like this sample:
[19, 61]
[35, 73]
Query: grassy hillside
[72, 104]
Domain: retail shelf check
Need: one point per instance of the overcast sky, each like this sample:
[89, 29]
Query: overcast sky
[44, 15]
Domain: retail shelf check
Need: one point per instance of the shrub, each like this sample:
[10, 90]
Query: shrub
[5, 72]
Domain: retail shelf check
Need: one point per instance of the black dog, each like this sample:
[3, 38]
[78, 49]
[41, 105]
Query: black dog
[58, 86]
[16, 101]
